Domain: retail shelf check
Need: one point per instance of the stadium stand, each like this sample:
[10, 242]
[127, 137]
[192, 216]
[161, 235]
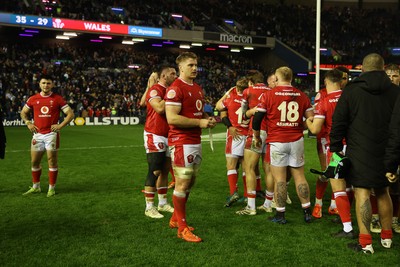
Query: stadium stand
[351, 32]
[97, 81]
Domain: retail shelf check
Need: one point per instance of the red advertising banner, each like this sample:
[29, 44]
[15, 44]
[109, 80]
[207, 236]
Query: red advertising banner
[81, 25]
[332, 66]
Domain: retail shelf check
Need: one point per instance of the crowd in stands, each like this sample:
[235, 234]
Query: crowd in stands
[96, 81]
[351, 31]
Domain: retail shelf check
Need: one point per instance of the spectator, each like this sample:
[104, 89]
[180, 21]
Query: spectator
[362, 117]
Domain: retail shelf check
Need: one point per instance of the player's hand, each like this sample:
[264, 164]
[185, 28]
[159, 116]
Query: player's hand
[391, 177]
[32, 128]
[211, 122]
[235, 132]
[245, 121]
[250, 113]
[55, 128]
[203, 123]
[153, 79]
[256, 143]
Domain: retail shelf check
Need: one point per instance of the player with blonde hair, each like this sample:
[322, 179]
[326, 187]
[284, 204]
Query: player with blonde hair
[184, 106]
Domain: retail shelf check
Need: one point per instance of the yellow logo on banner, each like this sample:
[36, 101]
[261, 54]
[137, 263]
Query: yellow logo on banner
[79, 121]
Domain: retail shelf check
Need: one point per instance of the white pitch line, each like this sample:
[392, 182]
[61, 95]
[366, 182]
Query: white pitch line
[80, 148]
[218, 137]
[105, 147]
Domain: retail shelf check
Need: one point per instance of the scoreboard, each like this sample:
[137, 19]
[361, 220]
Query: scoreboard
[31, 20]
[34, 21]
[79, 25]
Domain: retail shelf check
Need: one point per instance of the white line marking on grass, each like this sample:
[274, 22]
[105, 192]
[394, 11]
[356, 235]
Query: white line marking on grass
[204, 138]
[80, 148]
[219, 137]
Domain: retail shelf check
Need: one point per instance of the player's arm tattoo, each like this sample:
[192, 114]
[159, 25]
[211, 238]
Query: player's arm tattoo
[304, 191]
[366, 213]
[281, 194]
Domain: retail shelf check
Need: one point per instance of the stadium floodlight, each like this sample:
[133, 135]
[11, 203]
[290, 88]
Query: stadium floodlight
[62, 37]
[248, 48]
[184, 46]
[224, 46]
[31, 31]
[128, 42]
[138, 39]
[197, 44]
[235, 50]
[71, 34]
[105, 37]
[118, 9]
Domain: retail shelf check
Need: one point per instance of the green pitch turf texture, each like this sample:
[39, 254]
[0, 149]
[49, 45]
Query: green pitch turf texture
[97, 216]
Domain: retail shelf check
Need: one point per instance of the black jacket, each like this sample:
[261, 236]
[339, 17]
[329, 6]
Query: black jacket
[392, 155]
[362, 117]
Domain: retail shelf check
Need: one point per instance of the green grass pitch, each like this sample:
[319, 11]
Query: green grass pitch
[97, 216]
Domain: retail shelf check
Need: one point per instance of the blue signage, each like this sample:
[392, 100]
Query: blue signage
[31, 20]
[5, 18]
[145, 31]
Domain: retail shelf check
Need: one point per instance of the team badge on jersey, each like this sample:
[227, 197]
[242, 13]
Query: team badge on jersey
[33, 142]
[190, 158]
[153, 93]
[160, 145]
[171, 94]
[199, 105]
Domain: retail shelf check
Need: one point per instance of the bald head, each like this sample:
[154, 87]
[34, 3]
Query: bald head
[373, 62]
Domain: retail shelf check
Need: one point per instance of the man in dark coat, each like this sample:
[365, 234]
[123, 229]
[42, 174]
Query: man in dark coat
[392, 155]
[362, 117]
